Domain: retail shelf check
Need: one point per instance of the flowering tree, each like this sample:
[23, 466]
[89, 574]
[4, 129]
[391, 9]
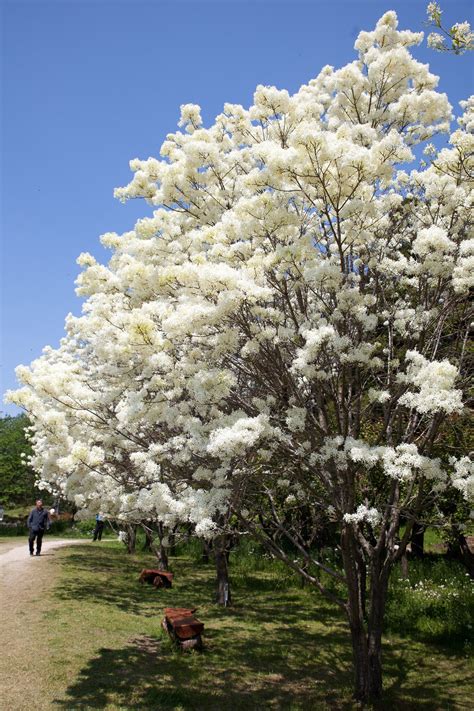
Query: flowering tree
[287, 333]
[95, 445]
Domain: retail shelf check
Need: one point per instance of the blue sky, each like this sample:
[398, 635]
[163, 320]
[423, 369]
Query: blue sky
[89, 84]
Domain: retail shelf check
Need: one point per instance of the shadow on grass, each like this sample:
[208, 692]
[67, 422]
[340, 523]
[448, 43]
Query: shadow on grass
[107, 577]
[413, 683]
[149, 674]
[282, 649]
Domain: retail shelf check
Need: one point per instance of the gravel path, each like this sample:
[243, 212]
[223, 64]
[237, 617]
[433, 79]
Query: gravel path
[16, 562]
[25, 582]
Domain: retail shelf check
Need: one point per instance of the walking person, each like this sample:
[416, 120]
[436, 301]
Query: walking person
[99, 527]
[37, 524]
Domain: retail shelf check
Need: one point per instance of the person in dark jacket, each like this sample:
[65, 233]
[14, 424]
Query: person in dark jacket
[99, 527]
[37, 524]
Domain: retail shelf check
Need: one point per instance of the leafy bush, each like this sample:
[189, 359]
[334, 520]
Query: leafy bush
[252, 566]
[193, 549]
[13, 529]
[19, 528]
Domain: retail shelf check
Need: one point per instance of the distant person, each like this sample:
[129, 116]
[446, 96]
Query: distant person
[99, 527]
[37, 523]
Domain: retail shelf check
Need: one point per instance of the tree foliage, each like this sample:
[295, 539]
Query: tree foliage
[17, 479]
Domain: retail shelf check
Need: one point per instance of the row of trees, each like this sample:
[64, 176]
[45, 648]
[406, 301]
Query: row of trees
[281, 349]
[17, 479]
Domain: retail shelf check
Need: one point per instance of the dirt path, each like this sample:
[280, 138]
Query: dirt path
[24, 583]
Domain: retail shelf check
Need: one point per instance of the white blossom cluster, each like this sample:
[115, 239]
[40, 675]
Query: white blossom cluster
[460, 35]
[372, 516]
[435, 383]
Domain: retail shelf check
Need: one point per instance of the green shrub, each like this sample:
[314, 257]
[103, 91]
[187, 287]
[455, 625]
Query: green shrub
[19, 528]
[84, 528]
[193, 549]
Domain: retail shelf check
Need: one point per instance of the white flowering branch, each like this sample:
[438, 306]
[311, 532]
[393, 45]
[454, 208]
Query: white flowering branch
[460, 35]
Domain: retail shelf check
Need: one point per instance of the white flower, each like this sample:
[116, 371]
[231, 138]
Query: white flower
[295, 419]
[436, 41]
[266, 304]
[363, 513]
[433, 11]
[380, 396]
[435, 382]
[205, 528]
[463, 477]
[190, 117]
[432, 239]
[241, 435]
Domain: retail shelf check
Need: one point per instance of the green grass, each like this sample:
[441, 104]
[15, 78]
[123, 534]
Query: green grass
[435, 537]
[279, 647]
[434, 604]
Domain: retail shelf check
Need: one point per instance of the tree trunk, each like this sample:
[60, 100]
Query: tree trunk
[360, 661]
[459, 549]
[303, 580]
[378, 597]
[131, 538]
[404, 565]
[355, 613]
[161, 552]
[206, 552]
[223, 596]
[466, 556]
[366, 633]
[163, 561]
[418, 540]
[147, 546]
[172, 541]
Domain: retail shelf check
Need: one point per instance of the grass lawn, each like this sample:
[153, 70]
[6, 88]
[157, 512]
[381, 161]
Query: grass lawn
[9, 542]
[278, 647]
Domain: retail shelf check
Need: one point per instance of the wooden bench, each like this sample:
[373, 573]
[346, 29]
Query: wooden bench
[158, 578]
[183, 627]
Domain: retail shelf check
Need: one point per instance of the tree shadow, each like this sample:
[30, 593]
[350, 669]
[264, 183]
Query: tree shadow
[408, 676]
[263, 652]
[108, 578]
[150, 673]
[243, 674]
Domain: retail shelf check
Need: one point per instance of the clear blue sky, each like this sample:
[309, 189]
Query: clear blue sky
[89, 84]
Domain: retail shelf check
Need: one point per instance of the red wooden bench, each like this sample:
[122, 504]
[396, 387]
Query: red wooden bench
[158, 578]
[183, 627]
